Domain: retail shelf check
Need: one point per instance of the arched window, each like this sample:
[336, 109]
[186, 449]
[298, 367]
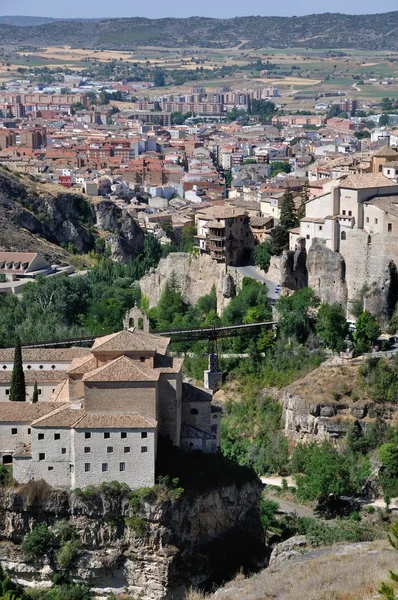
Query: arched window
[194, 411]
[131, 323]
[140, 324]
[380, 168]
[343, 235]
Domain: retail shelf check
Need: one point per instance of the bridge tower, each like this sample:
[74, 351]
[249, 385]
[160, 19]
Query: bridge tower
[213, 376]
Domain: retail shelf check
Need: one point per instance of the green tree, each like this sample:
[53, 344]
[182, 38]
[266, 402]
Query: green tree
[262, 255]
[159, 78]
[288, 220]
[332, 326]
[18, 387]
[366, 332]
[38, 542]
[296, 314]
[188, 233]
[279, 166]
[384, 120]
[388, 591]
[35, 397]
[325, 472]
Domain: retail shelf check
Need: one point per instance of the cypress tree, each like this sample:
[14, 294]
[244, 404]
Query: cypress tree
[35, 397]
[287, 220]
[18, 388]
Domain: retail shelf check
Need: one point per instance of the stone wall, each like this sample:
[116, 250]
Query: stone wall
[187, 541]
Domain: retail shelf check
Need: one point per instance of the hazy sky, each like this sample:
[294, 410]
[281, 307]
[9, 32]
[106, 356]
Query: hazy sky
[177, 8]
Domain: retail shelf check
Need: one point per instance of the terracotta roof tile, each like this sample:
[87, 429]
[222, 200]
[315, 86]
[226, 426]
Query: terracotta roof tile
[24, 412]
[122, 369]
[131, 340]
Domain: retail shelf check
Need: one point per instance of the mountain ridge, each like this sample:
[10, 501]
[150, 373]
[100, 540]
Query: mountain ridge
[327, 30]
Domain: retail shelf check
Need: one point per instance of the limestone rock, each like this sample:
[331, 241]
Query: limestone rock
[183, 542]
[293, 268]
[326, 273]
[195, 275]
[287, 550]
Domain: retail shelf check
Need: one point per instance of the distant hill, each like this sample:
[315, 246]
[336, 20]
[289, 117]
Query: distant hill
[22, 21]
[367, 32]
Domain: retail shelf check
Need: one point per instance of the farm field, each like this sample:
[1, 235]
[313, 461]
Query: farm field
[367, 76]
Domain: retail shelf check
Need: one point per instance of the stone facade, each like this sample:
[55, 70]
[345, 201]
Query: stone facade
[105, 415]
[351, 237]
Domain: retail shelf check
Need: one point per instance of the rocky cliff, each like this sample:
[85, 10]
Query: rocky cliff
[194, 539]
[48, 219]
[365, 271]
[321, 405]
[195, 275]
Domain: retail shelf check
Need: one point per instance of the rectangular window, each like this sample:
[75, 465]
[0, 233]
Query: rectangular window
[142, 358]
[307, 237]
[126, 449]
[40, 436]
[7, 392]
[343, 212]
[63, 450]
[104, 467]
[51, 468]
[87, 449]
[376, 221]
[320, 227]
[123, 435]
[14, 431]
[42, 456]
[144, 448]
[144, 435]
[367, 219]
[389, 227]
[87, 467]
[28, 430]
[107, 435]
[57, 436]
[109, 449]
[39, 392]
[122, 466]
[71, 468]
[350, 213]
[87, 435]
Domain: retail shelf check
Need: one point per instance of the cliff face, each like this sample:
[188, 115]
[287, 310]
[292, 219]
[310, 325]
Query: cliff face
[187, 541]
[195, 275]
[42, 218]
[321, 405]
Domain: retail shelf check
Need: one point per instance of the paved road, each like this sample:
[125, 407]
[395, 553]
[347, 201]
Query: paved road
[252, 272]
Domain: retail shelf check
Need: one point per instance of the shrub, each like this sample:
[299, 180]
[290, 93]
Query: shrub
[38, 542]
[139, 524]
[68, 554]
[65, 531]
[35, 492]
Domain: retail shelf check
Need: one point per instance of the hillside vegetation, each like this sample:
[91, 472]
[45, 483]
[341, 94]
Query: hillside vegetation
[377, 32]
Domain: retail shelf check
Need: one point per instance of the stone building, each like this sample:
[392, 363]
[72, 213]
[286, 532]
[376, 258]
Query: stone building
[103, 419]
[356, 218]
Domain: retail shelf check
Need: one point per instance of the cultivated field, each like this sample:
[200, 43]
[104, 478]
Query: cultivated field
[367, 76]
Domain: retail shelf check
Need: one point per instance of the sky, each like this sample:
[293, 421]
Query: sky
[177, 8]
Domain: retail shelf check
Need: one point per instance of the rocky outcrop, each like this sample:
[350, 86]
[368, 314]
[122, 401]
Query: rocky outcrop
[188, 541]
[326, 273]
[288, 549]
[48, 219]
[293, 268]
[195, 275]
[321, 405]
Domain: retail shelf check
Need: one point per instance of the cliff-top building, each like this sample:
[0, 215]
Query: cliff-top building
[104, 417]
